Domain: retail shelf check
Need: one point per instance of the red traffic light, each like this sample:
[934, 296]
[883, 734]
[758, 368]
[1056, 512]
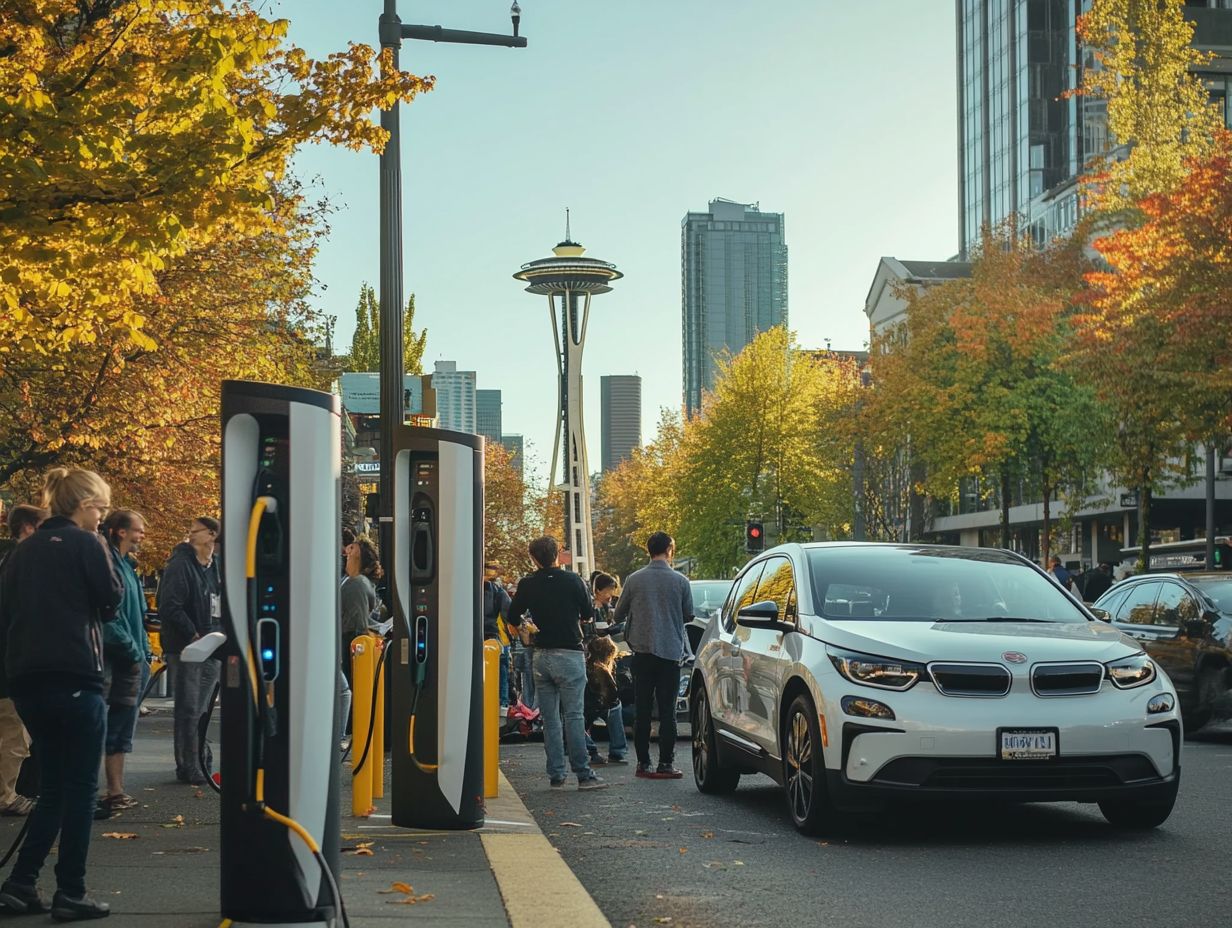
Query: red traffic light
[754, 531]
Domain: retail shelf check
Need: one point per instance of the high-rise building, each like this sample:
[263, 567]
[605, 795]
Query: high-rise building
[733, 264]
[1022, 139]
[455, 397]
[620, 399]
[488, 414]
[514, 445]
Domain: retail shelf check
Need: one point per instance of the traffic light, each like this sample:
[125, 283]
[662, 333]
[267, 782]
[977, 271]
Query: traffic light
[754, 537]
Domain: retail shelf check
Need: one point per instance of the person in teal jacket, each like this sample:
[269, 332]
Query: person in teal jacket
[126, 649]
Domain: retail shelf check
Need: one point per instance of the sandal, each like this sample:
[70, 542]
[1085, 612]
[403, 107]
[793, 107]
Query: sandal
[120, 802]
[20, 806]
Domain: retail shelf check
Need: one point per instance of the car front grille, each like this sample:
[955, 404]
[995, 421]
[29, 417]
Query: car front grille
[1080, 679]
[953, 773]
[970, 679]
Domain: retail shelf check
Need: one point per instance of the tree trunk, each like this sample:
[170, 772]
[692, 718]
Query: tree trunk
[1144, 524]
[1005, 507]
[1047, 544]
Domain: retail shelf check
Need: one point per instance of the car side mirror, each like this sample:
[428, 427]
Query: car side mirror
[764, 614]
[1102, 614]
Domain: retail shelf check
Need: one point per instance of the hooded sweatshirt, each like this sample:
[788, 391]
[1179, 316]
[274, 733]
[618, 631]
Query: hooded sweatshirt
[188, 603]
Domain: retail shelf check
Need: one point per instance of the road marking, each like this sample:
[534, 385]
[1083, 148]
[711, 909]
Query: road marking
[555, 898]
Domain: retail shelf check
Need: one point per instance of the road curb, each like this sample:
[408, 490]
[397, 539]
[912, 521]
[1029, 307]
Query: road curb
[537, 886]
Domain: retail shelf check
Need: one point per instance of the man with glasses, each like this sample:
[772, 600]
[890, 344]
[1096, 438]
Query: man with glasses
[190, 606]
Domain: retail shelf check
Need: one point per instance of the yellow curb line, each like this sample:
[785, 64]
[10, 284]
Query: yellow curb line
[539, 889]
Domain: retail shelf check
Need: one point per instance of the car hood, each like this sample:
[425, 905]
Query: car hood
[978, 641]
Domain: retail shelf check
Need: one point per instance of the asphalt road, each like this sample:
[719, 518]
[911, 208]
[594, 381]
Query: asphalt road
[660, 853]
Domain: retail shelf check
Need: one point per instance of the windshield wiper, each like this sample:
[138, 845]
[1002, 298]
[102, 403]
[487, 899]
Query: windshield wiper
[1014, 619]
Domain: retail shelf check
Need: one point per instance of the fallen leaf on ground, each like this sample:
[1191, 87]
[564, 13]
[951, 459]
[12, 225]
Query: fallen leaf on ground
[363, 852]
[707, 834]
[409, 896]
[663, 920]
[121, 835]
[684, 850]
[570, 825]
[198, 794]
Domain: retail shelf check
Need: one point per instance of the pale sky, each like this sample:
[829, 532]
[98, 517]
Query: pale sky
[838, 113]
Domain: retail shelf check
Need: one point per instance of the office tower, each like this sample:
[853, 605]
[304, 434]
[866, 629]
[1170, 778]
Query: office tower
[620, 398]
[1021, 144]
[514, 445]
[488, 414]
[733, 264]
[455, 397]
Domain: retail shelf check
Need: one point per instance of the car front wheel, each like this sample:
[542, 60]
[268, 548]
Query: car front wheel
[804, 769]
[1139, 816]
[708, 773]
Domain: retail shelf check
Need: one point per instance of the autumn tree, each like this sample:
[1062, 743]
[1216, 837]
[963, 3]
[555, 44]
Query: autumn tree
[511, 515]
[365, 354]
[136, 132]
[973, 385]
[1157, 107]
[765, 445]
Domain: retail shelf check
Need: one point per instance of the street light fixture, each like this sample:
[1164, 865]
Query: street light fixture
[393, 410]
[515, 13]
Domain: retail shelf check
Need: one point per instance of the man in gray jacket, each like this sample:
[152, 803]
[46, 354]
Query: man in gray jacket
[655, 606]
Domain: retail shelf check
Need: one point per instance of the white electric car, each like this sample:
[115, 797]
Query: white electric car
[854, 674]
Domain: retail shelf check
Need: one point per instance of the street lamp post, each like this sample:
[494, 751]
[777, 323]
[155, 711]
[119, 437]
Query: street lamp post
[393, 411]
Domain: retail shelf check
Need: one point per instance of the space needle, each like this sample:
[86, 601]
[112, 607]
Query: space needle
[569, 280]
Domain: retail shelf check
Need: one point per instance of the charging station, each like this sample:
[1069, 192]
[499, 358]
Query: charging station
[281, 511]
[436, 665]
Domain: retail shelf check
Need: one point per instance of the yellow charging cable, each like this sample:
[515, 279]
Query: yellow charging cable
[260, 507]
[423, 768]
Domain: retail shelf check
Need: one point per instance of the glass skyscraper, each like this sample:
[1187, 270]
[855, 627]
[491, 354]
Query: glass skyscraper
[1021, 143]
[620, 407]
[733, 265]
[488, 414]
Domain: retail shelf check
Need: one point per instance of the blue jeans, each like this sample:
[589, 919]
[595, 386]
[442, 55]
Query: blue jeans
[504, 676]
[67, 727]
[560, 683]
[524, 666]
[617, 741]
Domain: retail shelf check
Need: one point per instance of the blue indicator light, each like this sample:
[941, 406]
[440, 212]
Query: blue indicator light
[267, 654]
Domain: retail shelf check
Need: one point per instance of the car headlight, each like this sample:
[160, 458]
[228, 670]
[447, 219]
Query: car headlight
[1131, 671]
[683, 689]
[882, 672]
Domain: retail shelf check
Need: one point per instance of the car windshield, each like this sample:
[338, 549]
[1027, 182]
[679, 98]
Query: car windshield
[930, 584]
[1218, 590]
[708, 595]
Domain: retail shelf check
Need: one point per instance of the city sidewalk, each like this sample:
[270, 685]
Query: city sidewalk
[505, 874]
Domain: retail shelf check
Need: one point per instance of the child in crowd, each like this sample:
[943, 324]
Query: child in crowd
[603, 699]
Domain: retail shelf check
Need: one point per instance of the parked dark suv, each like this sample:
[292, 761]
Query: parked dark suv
[1185, 623]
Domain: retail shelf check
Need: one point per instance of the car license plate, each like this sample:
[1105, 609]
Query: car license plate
[1026, 743]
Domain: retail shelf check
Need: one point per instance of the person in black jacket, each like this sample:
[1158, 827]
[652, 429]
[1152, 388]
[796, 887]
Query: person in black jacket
[190, 606]
[58, 588]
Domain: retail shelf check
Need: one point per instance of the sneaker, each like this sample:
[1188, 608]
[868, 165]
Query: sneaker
[19, 807]
[597, 760]
[667, 772]
[594, 781]
[65, 908]
[616, 759]
[102, 811]
[644, 771]
[16, 899]
[557, 784]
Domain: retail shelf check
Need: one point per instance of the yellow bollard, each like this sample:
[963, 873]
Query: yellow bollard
[362, 667]
[491, 717]
[376, 756]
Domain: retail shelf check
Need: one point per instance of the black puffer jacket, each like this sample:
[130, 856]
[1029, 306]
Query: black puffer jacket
[57, 589]
[184, 598]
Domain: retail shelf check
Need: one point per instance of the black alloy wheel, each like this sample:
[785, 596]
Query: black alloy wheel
[709, 775]
[804, 769]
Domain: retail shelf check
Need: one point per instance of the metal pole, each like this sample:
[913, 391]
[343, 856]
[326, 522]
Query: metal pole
[1210, 505]
[392, 363]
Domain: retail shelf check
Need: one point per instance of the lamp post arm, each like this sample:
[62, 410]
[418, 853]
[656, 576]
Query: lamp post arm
[461, 36]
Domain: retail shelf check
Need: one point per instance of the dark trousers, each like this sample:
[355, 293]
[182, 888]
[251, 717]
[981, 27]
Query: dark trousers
[192, 685]
[656, 681]
[68, 727]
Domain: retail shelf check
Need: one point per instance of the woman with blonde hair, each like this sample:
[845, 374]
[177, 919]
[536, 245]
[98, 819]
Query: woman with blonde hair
[58, 588]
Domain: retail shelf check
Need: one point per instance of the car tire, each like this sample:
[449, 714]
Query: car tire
[1211, 685]
[1139, 816]
[709, 774]
[804, 769]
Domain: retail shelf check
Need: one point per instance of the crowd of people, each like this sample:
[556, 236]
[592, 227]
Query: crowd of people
[568, 659]
[76, 661]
